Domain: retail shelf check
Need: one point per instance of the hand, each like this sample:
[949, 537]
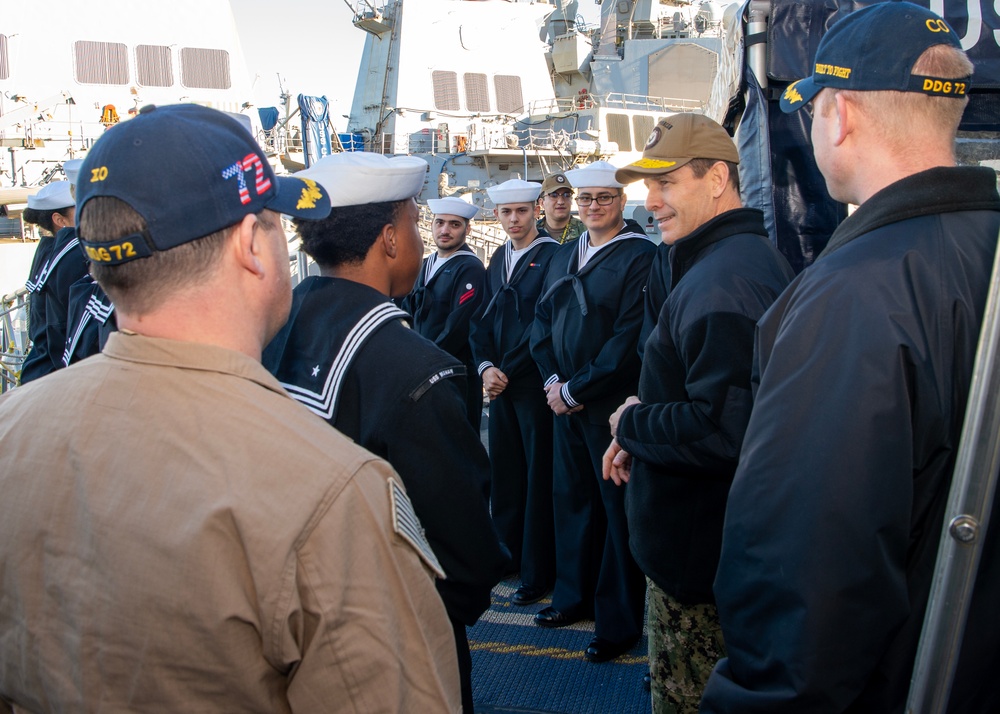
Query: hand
[554, 398]
[616, 464]
[613, 420]
[494, 382]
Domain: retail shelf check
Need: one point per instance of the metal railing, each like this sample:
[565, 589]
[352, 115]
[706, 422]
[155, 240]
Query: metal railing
[613, 100]
[13, 336]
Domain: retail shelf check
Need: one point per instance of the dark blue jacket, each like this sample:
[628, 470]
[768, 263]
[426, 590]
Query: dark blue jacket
[64, 265]
[501, 331]
[400, 397]
[685, 437]
[835, 513]
[588, 320]
[442, 307]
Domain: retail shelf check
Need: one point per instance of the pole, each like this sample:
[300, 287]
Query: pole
[756, 34]
[966, 521]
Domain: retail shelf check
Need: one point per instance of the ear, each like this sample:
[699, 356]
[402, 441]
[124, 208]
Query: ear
[61, 221]
[496, 214]
[246, 242]
[845, 113]
[538, 211]
[387, 240]
[719, 178]
[468, 227]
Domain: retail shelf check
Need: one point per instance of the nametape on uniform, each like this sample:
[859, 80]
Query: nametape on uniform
[434, 379]
[407, 526]
[118, 251]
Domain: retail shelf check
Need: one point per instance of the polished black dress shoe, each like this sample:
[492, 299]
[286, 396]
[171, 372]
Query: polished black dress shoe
[529, 594]
[550, 617]
[601, 650]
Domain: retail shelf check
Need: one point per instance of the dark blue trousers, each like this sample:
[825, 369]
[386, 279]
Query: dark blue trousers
[520, 437]
[595, 572]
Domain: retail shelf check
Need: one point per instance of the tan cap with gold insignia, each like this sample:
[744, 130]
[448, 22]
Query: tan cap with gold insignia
[675, 141]
[554, 183]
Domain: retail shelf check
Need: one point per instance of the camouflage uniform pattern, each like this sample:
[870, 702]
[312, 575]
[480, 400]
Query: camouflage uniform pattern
[570, 233]
[685, 642]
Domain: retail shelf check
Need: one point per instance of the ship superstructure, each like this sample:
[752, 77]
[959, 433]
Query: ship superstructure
[488, 90]
[70, 72]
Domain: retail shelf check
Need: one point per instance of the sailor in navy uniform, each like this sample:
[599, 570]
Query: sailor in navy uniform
[584, 340]
[60, 265]
[520, 424]
[448, 292]
[90, 319]
[348, 355]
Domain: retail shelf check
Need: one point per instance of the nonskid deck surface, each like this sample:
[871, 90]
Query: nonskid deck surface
[520, 668]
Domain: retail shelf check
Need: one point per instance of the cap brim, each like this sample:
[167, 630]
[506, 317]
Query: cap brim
[302, 198]
[648, 167]
[798, 94]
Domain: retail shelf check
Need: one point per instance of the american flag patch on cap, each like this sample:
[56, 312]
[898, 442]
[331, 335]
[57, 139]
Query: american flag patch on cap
[407, 526]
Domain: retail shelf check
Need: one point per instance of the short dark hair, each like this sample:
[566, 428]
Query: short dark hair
[700, 167]
[43, 219]
[347, 234]
[139, 286]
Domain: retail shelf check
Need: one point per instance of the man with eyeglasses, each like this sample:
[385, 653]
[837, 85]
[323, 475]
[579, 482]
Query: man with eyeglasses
[557, 205]
[584, 340]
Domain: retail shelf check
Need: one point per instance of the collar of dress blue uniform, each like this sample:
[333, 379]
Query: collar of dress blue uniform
[945, 189]
[630, 230]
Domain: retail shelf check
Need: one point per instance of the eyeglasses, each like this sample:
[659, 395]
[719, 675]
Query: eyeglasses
[605, 199]
[564, 195]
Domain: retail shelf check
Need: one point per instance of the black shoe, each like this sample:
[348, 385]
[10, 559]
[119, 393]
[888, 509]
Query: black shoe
[550, 617]
[601, 650]
[529, 594]
[647, 681]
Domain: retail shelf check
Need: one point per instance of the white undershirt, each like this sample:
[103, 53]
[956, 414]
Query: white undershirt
[438, 262]
[593, 250]
[516, 255]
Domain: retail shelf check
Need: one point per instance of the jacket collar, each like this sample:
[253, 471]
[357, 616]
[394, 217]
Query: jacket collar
[945, 189]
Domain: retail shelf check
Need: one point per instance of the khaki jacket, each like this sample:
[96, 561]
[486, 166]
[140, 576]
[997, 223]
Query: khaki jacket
[177, 534]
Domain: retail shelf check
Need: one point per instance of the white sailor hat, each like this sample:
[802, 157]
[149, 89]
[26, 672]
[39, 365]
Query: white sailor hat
[599, 174]
[356, 178]
[52, 197]
[72, 169]
[514, 191]
[452, 205]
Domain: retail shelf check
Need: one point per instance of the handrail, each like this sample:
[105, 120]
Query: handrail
[966, 522]
[14, 343]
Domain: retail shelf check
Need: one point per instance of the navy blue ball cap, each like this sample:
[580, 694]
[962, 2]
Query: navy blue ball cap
[189, 171]
[874, 49]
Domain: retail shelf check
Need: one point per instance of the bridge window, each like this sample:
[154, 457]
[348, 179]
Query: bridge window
[477, 93]
[445, 91]
[4, 64]
[101, 62]
[642, 127]
[205, 69]
[153, 67]
[619, 131]
[509, 97]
